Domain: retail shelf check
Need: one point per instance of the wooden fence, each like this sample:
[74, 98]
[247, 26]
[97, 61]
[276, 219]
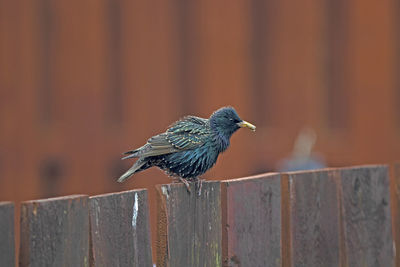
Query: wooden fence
[332, 217]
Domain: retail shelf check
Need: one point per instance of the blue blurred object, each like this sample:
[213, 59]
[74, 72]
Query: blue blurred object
[302, 157]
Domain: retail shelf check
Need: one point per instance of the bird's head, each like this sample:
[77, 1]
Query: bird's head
[226, 121]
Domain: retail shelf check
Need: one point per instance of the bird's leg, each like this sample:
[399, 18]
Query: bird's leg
[186, 183]
[199, 184]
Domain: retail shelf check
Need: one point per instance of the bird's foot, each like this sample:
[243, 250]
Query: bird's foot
[199, 184]
[186, 183]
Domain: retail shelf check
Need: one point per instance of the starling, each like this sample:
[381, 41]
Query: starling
[189, 147]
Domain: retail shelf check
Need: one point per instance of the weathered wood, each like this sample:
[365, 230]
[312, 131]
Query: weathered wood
[189, 230]
[251, 221]
[313, 218]
[394, 206]
[7, 242]
[366, 216]
[120, 229]
[55, 232]
[285, 222]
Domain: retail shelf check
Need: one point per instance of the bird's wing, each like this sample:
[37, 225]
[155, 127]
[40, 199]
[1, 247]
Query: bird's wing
[189, 133]
[156, 145]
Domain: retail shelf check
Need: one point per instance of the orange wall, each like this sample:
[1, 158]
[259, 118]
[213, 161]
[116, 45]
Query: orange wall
[83, 81]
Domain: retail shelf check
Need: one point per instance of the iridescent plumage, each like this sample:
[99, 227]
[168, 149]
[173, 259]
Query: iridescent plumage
[189, 147]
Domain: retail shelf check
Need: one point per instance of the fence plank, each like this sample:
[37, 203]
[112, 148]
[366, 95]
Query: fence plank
[7, 242]
[366, 216]
[313, 218]
[251, 221]
[55, 232]
[394, 205]
[120, 229]
[189, 226]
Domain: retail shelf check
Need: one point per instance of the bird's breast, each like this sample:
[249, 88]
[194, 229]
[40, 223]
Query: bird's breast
[220, 143]
[190, 163]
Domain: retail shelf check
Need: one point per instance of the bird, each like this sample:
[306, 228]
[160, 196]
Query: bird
[189, 147]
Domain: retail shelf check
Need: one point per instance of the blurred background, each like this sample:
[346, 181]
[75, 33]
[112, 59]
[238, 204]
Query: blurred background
[83, 81]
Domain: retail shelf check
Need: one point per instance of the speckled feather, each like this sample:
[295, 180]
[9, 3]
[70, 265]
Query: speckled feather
[189, 147]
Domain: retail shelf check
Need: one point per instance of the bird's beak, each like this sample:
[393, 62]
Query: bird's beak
[245, 124]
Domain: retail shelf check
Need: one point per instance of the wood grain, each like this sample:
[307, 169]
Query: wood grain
[7, 243]
[189, 231]
[55, 232]
[120, 229]
[314, 219]
[251, 212]
[366, 216]
[394, 205]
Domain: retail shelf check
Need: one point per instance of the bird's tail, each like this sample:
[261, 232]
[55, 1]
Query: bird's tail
[131, 154]
[137, 166]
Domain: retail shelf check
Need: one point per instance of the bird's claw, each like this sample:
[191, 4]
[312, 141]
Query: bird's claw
[186, 183]
[198, 184]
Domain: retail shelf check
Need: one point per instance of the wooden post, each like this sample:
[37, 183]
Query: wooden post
[55, 232]
[120, 229]
[310, 219]
[366, 216]
[7, 242]
[189, 226]
[251, 221]
[395, 205]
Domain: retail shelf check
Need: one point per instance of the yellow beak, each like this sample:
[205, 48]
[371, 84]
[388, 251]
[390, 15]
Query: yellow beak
[245, 124]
